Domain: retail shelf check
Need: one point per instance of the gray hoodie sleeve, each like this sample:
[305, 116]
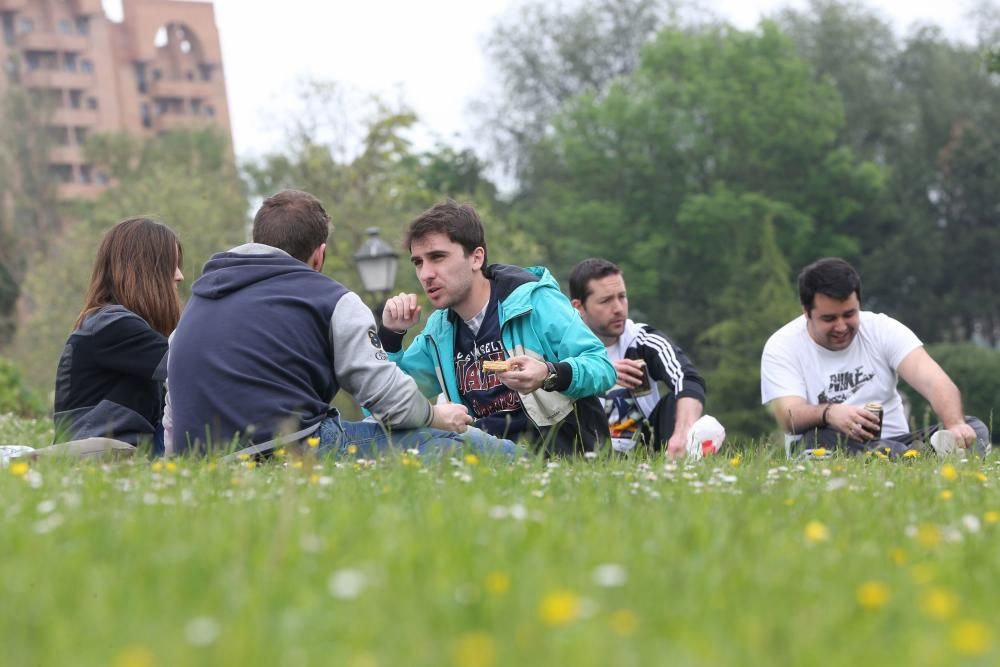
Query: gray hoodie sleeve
[362, 369]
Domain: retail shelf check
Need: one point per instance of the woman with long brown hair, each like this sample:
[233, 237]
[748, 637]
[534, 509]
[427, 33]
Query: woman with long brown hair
[110, 377]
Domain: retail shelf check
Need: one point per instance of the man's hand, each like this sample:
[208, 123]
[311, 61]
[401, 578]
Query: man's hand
[451, 417]
[854, 422]
[401, 312]
[677, 445]
[630, 372]
[964, 433]
[526, 374]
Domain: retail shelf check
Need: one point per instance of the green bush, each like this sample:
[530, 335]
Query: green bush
[15, 397]
[976, 371]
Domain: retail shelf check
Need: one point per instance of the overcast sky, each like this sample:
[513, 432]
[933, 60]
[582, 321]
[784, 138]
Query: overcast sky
[429, 54]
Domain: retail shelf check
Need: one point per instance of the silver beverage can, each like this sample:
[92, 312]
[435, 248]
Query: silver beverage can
[876, 409]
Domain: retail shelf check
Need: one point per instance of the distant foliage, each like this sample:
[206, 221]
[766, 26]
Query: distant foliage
[15, 397]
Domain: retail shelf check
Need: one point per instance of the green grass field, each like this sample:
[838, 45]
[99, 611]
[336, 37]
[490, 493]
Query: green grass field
[738, 561]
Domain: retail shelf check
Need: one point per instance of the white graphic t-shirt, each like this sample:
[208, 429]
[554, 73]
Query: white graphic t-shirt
[793, 364]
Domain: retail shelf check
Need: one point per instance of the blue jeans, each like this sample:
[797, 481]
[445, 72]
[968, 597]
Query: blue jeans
[372, 440]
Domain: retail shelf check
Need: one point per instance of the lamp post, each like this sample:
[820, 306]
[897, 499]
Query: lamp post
[377, 262]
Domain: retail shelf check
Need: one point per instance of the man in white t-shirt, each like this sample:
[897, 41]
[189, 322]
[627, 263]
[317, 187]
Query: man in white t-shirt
[819, 371]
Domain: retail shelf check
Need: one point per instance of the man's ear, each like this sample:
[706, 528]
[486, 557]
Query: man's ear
[478, 258]
[317, 258]
[578, 305]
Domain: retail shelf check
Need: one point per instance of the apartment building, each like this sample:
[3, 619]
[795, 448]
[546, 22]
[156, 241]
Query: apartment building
[158, 69]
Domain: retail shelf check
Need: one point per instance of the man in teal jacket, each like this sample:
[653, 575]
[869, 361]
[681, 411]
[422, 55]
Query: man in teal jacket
[503, 340]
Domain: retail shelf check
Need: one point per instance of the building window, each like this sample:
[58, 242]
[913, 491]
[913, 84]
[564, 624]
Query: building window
[147, 117]
[206, 72]
[64, 26]
[69, 62]
[25, 25]
[86, 66]
[86, 173]
[92, 103]
[59, 136]
[80, 135]
[209, 110]
[8, 28]
[157, 75]
[140, 78]
[75, 99]
[47, 60]
[196, 107]
[83, 25]
[101, 178]
[190, 75]
[61, 173]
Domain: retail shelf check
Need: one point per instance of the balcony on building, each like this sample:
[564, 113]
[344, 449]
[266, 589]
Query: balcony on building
[181, 88]
[53, 78]
[53, 41]
[74, 117]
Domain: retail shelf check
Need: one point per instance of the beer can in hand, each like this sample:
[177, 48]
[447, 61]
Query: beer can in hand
[645, 387]
[876, 409]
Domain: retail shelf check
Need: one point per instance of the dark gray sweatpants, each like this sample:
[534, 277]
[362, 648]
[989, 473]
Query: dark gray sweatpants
[895, 446]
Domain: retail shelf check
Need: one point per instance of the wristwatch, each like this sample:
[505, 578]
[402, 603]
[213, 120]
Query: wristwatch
[549, 383]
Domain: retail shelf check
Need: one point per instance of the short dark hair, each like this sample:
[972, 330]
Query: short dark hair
[293, 221]
[594, 268]
[459, 222]
[830, 276]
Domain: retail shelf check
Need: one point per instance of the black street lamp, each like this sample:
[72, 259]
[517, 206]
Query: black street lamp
[377, 262]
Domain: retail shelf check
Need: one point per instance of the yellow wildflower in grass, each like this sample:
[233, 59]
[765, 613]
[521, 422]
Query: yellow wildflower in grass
[497, 583]
[243, 457]
[736, 460]
[170, 466]
[928, 535]
[474, 649]
[971, 638]
[314, 478]
[472, 459]
[992, 517]
[211, 466]
[939, 603]
[280, 453]
[352, 449]
[981, 476]
[624, 622]
[872, 595]
[947, 495]
[313, 442]
[297, 465]
[251, 464]
[948, 472]
[19, 469]
[816, 532]
[157, 466]
[898, 556]
[819, 451]
[559, 608]
[911, 454]
[134, 656]
[410, 461]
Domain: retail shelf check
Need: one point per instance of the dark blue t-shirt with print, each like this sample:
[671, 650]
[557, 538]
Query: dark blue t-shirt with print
[496, 408]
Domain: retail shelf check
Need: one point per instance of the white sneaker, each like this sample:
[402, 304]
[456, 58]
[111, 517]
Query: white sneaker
[8, 452]
[944, 442]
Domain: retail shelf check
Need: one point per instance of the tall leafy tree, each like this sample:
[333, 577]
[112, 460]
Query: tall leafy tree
[185, 179]
[546, 54]
[707, 109]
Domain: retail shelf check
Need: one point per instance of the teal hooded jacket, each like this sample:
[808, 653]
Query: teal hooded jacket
[537, 320]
